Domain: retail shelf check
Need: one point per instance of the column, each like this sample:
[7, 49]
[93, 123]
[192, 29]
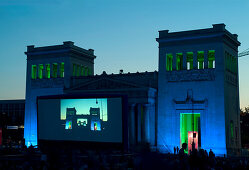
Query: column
[131, 124]
[184, 61]
[205, 59]
[51, 70]
[138, 127]
[146, 123]
[195, 60]
[58, 70]
[174, 61]
[162, 60]
[37, 71]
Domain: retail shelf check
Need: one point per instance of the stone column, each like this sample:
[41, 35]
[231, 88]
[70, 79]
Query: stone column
[205, 59]
[51, 70]
[37, 71]
[138, 115]
[131, 124]
[195, 65]
[184, 61]
[174, 61]
[58, 70]
[146, 123]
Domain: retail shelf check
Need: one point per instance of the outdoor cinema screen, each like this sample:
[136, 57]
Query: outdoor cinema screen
[85, 119]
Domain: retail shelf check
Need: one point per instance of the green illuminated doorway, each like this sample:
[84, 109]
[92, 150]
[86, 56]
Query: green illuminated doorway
[189, 124]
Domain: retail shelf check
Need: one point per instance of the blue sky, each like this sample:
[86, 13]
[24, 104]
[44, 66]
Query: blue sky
[122, 32]
[82, 106]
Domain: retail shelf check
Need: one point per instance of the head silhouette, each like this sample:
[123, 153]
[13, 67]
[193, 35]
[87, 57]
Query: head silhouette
[184, 146]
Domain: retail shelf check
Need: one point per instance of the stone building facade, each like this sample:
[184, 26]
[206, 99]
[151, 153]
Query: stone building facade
[194, 96]
[198, 89]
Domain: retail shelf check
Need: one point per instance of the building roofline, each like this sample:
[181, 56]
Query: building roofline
[67, 45]
[12, 101]
[217, 29]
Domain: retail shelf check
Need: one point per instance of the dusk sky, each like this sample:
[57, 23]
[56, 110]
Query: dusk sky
[83, 106]
[122, 32]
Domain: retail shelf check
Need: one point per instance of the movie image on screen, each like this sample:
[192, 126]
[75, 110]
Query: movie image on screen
[84, 114]
[81, 119]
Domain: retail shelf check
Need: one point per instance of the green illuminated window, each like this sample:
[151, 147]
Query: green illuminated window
[200, 59]
[169, 62]
[86, 71]
[179, 61]
[211, 59]
[34, 72]
[190, 60]
[62, 70]
[78, 70]
[82, 70]
[40, 71]
[89, 72]
[74, 69]
[48, 71]
[55, 68]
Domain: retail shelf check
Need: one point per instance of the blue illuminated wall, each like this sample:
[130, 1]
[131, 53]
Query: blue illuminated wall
[197, 90]
[55, 83]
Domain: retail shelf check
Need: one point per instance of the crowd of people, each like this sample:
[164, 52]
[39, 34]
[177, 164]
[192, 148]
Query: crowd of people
[32, 158]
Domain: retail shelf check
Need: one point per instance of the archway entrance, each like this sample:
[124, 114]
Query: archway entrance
[190, 130]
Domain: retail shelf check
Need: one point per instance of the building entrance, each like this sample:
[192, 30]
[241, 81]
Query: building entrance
[190, 130]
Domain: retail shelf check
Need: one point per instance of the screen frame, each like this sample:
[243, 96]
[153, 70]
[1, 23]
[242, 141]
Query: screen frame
[89, 144]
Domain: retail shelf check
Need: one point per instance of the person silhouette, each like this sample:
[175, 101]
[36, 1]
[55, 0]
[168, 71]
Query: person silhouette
[181, 151]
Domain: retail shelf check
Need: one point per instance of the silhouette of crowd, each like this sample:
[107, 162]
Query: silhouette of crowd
[143, 158]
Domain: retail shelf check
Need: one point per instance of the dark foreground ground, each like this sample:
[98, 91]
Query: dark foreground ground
[33, 159]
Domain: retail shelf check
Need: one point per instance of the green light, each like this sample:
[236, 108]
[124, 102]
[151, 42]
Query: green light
[86, 71]
[48, 71]
[190, 60]
[55, 68]
[89, 72]
[179, 61]
[78, 70]
[82, 71]
[40, 71]
[188, 122]
[169, 62]
[200, 59]
[62, 70]
[34, 70]
[211, 59]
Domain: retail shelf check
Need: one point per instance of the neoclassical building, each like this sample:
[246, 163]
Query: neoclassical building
[194, 96]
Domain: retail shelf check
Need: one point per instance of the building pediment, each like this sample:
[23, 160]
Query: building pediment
[104, 83]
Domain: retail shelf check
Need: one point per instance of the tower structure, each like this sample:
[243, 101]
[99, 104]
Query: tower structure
[198, 90]
[49, 72]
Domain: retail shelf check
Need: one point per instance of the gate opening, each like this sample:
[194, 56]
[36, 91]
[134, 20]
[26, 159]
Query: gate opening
[190, 130]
